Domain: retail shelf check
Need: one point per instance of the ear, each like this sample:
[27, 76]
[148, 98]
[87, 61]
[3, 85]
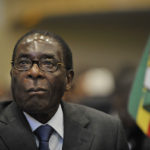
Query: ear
[69, 79]
[11, 72]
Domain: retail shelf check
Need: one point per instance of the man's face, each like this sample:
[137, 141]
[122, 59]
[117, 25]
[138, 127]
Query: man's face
[36, 91]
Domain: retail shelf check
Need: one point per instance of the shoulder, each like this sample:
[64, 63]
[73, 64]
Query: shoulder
[4, 105]
[85, 110]
[98, 118]
[8, 110]
[107, 130]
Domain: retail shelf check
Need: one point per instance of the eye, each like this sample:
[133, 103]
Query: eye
[23, 62]
[47, 63]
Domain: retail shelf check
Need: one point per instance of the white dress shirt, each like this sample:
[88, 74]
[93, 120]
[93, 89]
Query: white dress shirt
[56, 122]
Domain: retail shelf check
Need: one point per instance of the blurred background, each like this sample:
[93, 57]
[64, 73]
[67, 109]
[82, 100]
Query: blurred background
[101, 33]
[107, 39]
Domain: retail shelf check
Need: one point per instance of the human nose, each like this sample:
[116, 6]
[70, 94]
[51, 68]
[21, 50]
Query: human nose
[35, 72]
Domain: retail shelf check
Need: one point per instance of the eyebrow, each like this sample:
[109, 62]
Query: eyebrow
[51, 56]
[48, 56]
[23, 55]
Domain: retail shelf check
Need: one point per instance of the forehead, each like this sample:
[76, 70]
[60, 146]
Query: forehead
[37, 45]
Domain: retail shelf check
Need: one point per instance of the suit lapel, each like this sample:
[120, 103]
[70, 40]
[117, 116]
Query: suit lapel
[76, 135]
[16, 132]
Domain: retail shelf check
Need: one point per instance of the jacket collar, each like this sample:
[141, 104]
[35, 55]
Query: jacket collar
[76, 134]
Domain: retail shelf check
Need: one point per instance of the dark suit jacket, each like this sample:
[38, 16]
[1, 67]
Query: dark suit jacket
[84, 129]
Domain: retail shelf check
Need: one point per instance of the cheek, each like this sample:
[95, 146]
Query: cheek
[57, 84]
[17, 82]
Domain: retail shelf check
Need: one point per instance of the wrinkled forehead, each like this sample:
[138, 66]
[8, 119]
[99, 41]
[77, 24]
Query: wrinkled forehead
[38, 37]
[38, 43]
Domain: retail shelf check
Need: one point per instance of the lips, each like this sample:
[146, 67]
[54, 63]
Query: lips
[36, 91]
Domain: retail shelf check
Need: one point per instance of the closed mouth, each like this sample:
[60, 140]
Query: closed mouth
[36, 91]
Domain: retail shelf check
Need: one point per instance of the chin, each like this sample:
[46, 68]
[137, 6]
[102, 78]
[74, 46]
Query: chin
[40, 108]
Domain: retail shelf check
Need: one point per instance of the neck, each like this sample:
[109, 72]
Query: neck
[44, 117]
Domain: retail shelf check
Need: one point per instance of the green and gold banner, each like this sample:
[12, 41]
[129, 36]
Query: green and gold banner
[139, 102]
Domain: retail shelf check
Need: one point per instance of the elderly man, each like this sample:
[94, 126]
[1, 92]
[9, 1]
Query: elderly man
[37, 118]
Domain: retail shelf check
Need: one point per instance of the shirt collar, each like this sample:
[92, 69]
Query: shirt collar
[56, 122]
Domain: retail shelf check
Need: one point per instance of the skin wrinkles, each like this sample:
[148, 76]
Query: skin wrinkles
[36, 92]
